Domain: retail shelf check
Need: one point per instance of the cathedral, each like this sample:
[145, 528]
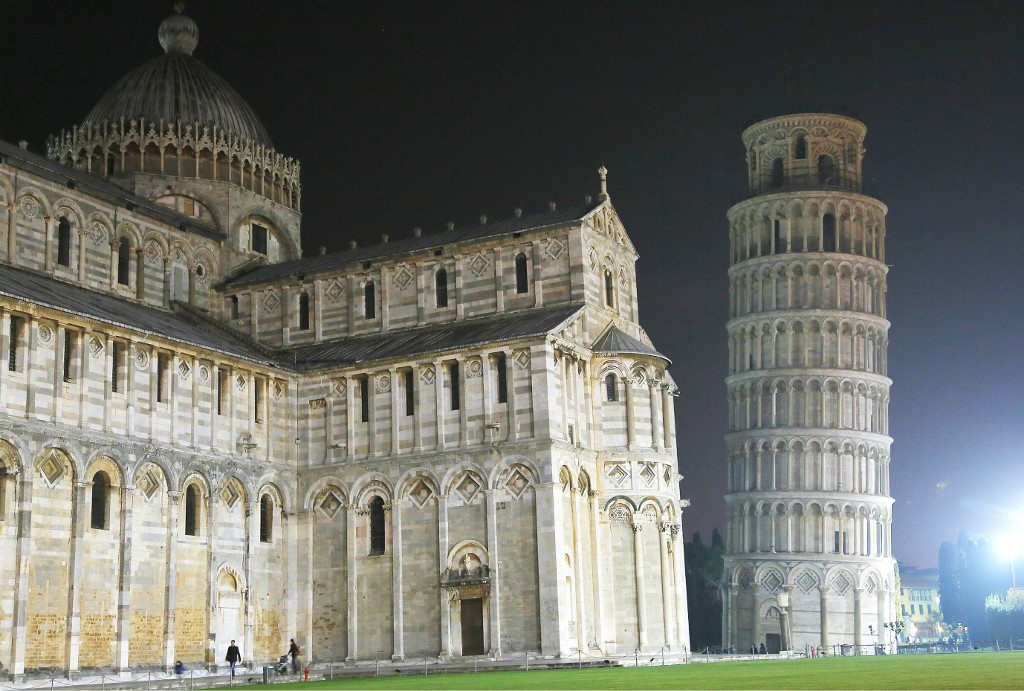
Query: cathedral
[444, 445]
[808, 559]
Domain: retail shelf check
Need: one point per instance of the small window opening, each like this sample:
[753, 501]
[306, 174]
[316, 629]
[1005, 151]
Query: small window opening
[259, 401]
[410, 393]
[441, 288]
[826, 170]
[777, 174]
[304, 312]
[609, 288]
[266, 518]
[800, 150]
[522, 274]
[17, 325]
[377, 532]
[453, 377]
[162, 377]
[69, 355]
[259, 238]
[191, 510]
[369, 301]
[611, 388]
[234, 306]
[828, 233]
[116, 360]
[780, 241]
[364, 399]
[222, 391]
[64, 242]
[502, 376]
[124, 250]
[100, 501]
[111, 162]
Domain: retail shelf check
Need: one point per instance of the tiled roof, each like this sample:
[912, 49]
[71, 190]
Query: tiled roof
[431, 339]
[35, 288]
[189, 327]
[615, 340]
[396, 248]
[101, 189]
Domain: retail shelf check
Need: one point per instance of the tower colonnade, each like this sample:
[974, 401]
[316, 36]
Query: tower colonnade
[808, 550]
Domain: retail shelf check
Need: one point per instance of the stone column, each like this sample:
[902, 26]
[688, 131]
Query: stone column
[140, 273]
[168, 282]
[22, 560]
[460, 305]
[600, 613]
[577, 558]
[657, 434]
[630, 413]
[857, 624]
[493, 557]
[191, 283]
[510, 381]
[668, 413]
[396, 413]
[76, 572]
[499, 287]
[825, 639]
[252, 532]
[536, 274]
[48, 246]
[439, 401]
[124, 578]
[641, 596]
[756, 593]
[352, 585]
[115, 247]
[783, 599]
[371, 424]
[398, 606]
[5, 349]
[309, 518]
[350, 417]
[667, 604]
[417, 411]
[443, 595]
[12, 234]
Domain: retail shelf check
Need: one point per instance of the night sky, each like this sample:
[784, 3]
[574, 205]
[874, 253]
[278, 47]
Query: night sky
[414, 114]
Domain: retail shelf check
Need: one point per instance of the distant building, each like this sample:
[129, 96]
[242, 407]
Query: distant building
[444, 445]
[808, 553]
[919, 604]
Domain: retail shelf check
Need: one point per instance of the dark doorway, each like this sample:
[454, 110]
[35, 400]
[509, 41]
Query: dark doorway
[473, 627]
[773, 642]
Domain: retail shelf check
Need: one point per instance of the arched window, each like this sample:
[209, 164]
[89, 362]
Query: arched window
[304, 312]
[192, 510]
[777, 174]
[64, 242]
[266, 518]
[124, 254]
[501, 373]
[609, 288]
[522, 275]
[369, 301]
[826, 170]
[780, 240]
[100, 501]
[234, 307]
[828, 233]
[441, 288]
[377, 533]
[800, 150]
[611, 388]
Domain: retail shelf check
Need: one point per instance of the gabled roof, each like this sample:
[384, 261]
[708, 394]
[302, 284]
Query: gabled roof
[615, 341]
[39, 289]
[98, 188]
[432, 339]
[398, 248]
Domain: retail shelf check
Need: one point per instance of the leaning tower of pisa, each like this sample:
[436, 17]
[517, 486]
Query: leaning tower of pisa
[808, 560]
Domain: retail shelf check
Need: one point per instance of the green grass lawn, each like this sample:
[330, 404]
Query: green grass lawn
[961, 671]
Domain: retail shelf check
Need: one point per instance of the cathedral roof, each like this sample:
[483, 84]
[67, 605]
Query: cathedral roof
[616, 341]
[176, 87]
[39, 289]
[433, 339]
[397, 248]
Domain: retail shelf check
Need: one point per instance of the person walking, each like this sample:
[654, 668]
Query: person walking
[233, 656]
[293, 651]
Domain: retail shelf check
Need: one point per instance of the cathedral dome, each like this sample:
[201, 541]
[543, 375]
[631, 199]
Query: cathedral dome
[176, 87]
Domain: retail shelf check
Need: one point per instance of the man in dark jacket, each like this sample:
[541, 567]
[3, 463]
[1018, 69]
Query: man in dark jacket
[293, 651]
[233, 656]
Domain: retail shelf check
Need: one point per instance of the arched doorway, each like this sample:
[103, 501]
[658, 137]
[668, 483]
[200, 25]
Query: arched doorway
[230, 626]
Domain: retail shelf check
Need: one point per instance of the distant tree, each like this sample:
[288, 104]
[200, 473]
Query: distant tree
[704, 566]
[716, 540]
[969, 572]
[1006, 615]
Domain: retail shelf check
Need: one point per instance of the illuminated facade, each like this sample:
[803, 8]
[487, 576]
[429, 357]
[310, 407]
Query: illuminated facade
[445, 445]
